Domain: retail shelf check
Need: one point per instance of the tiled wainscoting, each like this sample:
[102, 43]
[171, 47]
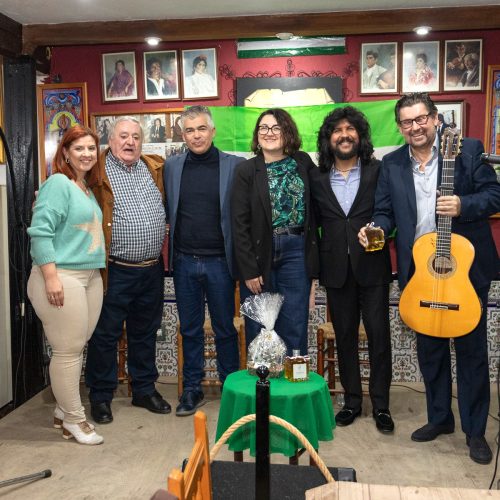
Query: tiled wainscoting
[405, 365]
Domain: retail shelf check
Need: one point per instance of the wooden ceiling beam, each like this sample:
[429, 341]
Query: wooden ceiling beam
[224, 28]
[11, 37]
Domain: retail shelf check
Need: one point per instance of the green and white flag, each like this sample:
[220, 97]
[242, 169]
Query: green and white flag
[296, 46]
[235, 125]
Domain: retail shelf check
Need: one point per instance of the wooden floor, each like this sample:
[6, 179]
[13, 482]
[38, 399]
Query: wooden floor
[140, 448]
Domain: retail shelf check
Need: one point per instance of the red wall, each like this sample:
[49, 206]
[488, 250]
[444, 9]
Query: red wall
[83, 64]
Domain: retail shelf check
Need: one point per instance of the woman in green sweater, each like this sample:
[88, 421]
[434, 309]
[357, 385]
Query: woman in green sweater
[65, 286]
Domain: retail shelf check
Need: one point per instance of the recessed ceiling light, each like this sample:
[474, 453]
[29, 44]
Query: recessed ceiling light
[153, 40]
[284, 36]
[422, 30]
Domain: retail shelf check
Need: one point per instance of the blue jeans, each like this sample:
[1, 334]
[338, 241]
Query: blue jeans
[288, 277]
[197, 278]
[134, 295]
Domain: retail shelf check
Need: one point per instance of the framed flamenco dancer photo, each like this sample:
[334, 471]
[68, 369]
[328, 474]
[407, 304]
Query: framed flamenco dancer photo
[199, 72]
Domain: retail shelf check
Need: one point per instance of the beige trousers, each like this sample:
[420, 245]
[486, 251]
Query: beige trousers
[68, 330]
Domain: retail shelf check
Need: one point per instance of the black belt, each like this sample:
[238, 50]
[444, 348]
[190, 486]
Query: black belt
[295, 230]
[127, 263]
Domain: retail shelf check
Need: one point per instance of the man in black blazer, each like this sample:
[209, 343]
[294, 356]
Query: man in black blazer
[357, 282]
[407, 198]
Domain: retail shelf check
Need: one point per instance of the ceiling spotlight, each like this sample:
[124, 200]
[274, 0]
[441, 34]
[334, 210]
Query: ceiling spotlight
[422, 30]
[152, 40]
[284, 36]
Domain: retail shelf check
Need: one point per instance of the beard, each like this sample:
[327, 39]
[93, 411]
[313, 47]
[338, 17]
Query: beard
[341, 155]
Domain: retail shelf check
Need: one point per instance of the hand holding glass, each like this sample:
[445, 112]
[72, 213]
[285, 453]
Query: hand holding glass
[374, 237]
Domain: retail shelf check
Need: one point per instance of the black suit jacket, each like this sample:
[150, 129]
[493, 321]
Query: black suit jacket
[475, 183]
[339, 232]
[252, 219]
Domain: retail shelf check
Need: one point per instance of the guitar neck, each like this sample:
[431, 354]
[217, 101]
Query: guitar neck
[443, 243]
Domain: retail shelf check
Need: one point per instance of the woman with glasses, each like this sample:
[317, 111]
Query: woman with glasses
[273, 225]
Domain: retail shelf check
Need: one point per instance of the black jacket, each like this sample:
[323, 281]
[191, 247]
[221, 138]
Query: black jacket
[252, 220]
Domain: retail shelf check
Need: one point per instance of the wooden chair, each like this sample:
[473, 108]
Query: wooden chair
[327, 354]
[123, 376]
[210, 352]
[195, 483]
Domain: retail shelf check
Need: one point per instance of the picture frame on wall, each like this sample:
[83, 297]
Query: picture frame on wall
[452, 114]
[119, 77]
[199, 74]
[60, 106]
[492, 114]
[463, 65]
[156, 125]
[161, 75]
[379, 68]
[420, 67]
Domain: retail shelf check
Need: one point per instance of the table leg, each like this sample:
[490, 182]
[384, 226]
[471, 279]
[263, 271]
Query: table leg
[238, 456]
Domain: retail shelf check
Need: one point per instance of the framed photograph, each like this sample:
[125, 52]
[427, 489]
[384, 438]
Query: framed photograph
[379, 68]
[119, 77]
[199, 74]
[60, 106]
[492, 118]
[156, 125]
[451, 114]
[463, 65]
[420, 67]
[161, 75]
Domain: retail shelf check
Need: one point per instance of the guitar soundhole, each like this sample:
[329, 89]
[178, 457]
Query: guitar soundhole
[442, 267]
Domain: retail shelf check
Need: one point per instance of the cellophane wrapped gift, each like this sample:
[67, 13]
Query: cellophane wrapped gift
[267, 348]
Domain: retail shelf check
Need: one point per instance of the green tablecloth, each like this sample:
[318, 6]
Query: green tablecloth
[306, 405]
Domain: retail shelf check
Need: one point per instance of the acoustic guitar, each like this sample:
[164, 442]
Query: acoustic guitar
[439, 300]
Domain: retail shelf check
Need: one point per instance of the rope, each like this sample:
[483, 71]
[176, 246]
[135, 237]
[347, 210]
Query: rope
[279, 421]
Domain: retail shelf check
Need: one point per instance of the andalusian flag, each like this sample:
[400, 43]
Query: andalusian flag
[235, 125]
[295, 46]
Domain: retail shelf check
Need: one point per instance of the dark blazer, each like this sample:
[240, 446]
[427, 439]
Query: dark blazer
[475, 183]
[252, 220]
[339, 232]
[172, 176]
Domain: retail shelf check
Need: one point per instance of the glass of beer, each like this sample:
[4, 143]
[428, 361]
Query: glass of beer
[375, 238]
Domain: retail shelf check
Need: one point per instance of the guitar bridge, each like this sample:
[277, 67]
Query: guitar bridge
[439, 305]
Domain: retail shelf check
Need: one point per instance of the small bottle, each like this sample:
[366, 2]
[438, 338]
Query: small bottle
[297, 367]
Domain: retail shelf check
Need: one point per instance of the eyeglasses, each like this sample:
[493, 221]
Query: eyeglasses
[264, 129]
[419, 120]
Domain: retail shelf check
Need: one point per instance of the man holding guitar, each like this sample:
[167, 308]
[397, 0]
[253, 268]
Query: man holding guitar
[408, 198]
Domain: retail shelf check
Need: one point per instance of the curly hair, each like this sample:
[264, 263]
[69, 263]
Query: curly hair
[326, 156]
[289, 131]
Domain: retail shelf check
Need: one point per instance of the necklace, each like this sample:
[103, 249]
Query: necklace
[345, 170]
[82, 186]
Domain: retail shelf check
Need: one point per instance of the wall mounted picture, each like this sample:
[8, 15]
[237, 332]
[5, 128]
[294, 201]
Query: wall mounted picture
[379, 68]
[463, 65]
[199, 71]
[161, 75]
[119, 77]
[492, 117]
[420, 67]
[451, 114]
[156, 125]
[60, 106]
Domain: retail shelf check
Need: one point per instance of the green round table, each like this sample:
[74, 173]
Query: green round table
[306, 405]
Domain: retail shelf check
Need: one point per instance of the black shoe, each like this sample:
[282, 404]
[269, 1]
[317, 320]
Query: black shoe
[189, 401]
[101, 412]
[480, 451]
[347, 415]
[429, 432]
[383, 420]
[152, 402]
